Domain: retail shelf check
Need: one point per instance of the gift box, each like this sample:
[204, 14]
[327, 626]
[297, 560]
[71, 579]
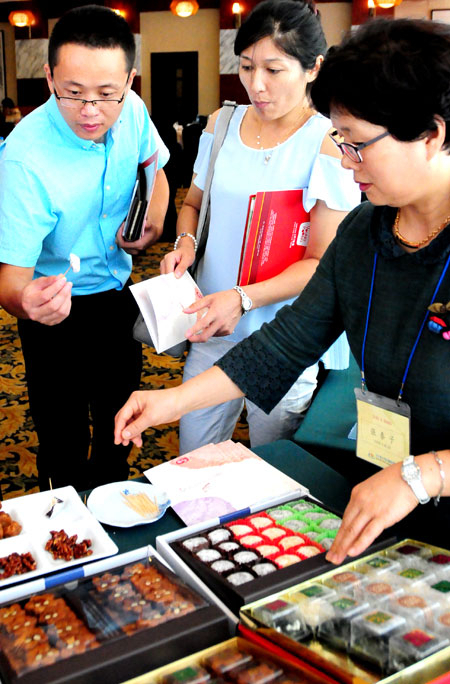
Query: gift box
[241, 558]
[351, 632]
[121, 620]
[236, 661]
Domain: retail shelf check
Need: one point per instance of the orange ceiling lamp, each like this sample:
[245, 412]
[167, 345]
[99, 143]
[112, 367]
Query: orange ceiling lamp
[386, 4]
[120, 12]
[184, 8]
[22, 18]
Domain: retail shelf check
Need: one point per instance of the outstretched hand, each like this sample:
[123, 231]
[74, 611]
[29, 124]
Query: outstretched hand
[142, 410]
[375, 504]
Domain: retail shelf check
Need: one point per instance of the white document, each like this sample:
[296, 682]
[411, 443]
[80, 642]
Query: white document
[218, 479]
[161, 301]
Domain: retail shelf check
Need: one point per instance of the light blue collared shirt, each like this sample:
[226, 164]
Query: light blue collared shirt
[61, 194]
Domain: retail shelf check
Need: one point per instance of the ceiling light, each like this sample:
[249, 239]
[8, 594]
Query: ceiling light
[184, 8]
[22, 18]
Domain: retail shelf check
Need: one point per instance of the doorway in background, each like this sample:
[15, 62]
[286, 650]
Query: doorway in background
[174, 86]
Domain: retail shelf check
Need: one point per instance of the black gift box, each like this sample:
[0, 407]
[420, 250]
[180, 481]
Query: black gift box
[236, 596]
[122, 655]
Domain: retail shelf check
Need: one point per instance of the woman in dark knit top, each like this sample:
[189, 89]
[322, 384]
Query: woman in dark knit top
[387, 91]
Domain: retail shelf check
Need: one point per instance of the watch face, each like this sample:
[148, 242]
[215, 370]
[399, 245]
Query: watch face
[410, 471]
[246, 303]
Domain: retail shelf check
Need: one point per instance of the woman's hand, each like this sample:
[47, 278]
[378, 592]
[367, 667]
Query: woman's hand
[375, 504]
[156, 407]
[179, 259]
[142, 410]
[223, 313]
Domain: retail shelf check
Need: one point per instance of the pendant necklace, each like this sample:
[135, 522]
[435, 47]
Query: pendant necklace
[415, 245]
[269, 154]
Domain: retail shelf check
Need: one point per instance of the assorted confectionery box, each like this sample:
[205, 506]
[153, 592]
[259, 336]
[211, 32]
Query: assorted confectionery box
[107, 627]
[253, 556]
[384, 617]
[236, 661]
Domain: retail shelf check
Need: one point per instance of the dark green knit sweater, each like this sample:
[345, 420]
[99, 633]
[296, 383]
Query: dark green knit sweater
[266, 364]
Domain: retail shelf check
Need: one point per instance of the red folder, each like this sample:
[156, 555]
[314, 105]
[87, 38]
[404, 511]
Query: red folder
[276, 235]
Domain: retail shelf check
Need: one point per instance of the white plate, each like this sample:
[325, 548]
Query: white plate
[72, 516]
[108, 505]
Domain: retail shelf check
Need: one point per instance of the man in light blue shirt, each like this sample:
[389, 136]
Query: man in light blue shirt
[66, 178]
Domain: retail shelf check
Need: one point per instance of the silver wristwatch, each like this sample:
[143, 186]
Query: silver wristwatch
[412, 475]
[246, 302]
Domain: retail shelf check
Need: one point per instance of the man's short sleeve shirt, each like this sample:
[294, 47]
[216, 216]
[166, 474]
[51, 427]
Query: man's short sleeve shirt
[61, 194]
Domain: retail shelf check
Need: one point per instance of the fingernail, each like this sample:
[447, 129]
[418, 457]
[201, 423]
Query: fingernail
[126, 434]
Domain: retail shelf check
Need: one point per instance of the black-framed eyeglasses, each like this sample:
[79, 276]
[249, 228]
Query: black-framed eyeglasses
[351, 151]
[78, 102]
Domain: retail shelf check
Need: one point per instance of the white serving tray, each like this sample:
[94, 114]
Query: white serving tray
[72, 516]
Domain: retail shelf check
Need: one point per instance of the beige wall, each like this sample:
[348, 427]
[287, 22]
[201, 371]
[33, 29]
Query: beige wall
[10, 58]
[336, 20]
[164, 32]
[418, 9]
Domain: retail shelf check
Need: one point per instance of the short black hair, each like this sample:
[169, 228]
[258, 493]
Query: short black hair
[293, 25]
[92, 26]
[7, 102]
[393, 73]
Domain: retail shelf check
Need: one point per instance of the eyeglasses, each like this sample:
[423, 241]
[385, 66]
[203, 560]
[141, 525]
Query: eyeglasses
[353, 152]
[78, 103]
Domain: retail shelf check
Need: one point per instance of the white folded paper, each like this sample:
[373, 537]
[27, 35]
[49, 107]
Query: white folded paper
[218, 479]
[161, 301]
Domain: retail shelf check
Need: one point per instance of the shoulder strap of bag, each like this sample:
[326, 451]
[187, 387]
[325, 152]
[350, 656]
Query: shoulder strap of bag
[220, 131]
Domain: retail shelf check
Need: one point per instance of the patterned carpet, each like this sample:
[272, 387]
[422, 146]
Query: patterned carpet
[18, 441]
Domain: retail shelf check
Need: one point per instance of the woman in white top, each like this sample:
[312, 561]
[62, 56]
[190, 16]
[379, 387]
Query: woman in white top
[278, 142]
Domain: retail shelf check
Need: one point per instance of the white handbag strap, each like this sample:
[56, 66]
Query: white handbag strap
[220, 131]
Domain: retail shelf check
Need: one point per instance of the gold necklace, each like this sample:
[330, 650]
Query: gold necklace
[300, 122]
[415, 245]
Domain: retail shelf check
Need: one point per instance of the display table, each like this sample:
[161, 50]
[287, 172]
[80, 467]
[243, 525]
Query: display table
[322, 481]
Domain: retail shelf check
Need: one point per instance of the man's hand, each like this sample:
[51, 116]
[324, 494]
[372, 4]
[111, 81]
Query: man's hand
[47, 300]
[151, 234]
[154, 223]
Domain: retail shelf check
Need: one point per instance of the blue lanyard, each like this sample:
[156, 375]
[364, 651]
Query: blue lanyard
[363, 378]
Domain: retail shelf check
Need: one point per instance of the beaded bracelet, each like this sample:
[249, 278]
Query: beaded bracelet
[182, 235]
[442, 474]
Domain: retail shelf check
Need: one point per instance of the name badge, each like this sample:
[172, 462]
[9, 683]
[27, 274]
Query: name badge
[383, 434]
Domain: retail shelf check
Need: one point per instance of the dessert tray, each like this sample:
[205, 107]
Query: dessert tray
[33, 518]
